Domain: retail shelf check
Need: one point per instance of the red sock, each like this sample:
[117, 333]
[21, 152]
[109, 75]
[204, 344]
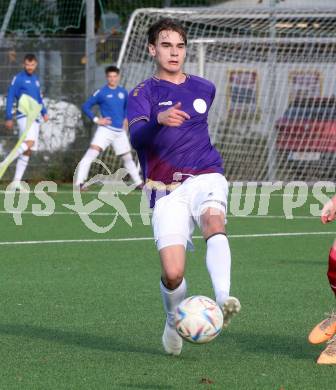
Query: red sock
[332, 269]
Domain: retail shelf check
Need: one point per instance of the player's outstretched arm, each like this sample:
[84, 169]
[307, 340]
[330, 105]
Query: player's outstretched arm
[142, 132]
[173, 117]
[329, 211]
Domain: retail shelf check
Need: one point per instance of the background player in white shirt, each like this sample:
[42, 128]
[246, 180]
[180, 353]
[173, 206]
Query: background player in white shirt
[112, 102]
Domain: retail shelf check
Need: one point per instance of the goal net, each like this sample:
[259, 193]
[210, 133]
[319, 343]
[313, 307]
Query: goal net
[274, 115]
[22, 17]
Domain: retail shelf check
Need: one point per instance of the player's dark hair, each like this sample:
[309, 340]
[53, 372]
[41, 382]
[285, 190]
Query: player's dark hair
[165, 24]
[30, 57]
[112, 68]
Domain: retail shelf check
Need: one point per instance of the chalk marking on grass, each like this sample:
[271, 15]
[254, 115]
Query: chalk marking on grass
[93, 240]
[70, 192]
[45, 213]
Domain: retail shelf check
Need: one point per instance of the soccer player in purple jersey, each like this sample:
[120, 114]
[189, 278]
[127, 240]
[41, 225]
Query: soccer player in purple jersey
[183, 172]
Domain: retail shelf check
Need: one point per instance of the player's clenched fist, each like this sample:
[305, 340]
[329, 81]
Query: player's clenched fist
[172, 117]
[329, 211]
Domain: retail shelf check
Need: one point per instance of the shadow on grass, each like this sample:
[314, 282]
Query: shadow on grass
[273, 344]
[83, 340]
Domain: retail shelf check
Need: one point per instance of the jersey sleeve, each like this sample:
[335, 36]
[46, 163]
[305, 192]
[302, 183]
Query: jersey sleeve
[125, 104]
[11, 96]
[142, 125]
[92, 101]
[139, 105]
[40, 100]
[44, 108]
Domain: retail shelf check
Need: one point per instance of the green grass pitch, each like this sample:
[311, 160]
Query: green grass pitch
[88, 314]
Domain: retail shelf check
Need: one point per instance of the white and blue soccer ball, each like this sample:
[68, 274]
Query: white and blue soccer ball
[198, 319]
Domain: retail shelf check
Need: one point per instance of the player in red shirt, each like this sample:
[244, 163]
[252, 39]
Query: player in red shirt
[326, 329]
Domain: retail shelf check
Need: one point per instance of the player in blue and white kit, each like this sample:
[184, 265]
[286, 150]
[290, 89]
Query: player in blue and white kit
[25, 82]
[183, 171]
[112, 102]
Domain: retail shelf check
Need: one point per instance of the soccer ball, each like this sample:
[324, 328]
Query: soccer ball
[198, 319]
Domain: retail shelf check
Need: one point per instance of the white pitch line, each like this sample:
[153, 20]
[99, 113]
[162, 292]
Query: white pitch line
[274, 217]
[139, 193]
[90, 240]
[46, 214]
[42, 213]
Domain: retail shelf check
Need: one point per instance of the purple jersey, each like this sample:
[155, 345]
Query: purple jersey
[186, 149]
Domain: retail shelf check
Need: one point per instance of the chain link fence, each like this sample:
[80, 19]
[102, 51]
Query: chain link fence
[62, 75]
[62, 62]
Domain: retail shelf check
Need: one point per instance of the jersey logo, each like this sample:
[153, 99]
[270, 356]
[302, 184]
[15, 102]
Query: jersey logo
[200, 106]
[168, 103]
[121, 95]
[136, 90]
[28, 81]
[109, 96]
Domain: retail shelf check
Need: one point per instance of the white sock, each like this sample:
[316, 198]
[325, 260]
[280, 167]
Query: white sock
[218, 261]
[21, 166]
[172, 298]
[131, 168]
[22, 148]
[85, 164]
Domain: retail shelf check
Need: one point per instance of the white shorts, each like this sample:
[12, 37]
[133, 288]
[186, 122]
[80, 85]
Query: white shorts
[118, 139]
[33, 132]
[175, 215]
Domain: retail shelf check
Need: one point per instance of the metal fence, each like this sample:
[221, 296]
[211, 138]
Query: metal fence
[61, 71]
[69, 69]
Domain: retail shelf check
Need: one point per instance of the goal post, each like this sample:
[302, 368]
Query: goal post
[274, 115]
